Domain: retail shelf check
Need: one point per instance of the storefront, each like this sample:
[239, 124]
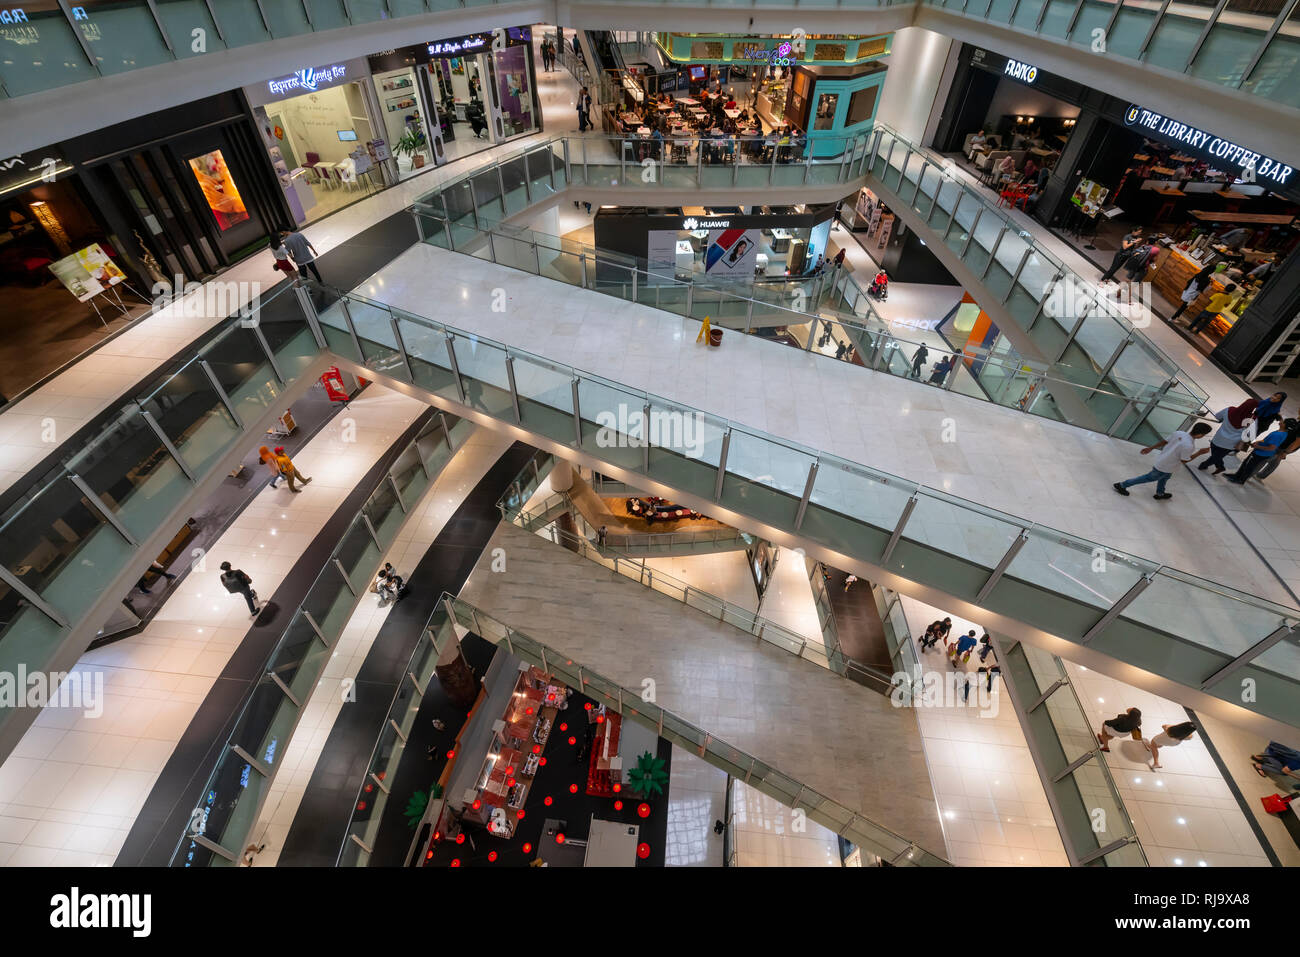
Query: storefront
[320, 130]
[485, 90]
[407, 108]
[831, 103]
[738, 245]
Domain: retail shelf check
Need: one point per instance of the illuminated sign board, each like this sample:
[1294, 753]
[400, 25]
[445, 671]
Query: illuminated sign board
[1024, 72]
[692, 224]
[1228, 152]
[478, 42]
[308, 80]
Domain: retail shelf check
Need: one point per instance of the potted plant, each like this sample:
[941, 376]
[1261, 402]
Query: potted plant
[648, 777]
[412, 144]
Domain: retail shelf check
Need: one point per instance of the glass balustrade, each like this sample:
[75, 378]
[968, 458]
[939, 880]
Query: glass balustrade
[358, 838]
[69, 535]
[1122, 384]
[1135, 610]
[236, 788]
[1090, 812]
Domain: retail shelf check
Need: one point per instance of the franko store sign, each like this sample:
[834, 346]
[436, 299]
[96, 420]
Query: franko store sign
[1024, 72]
[1226, 151]
[308, 80]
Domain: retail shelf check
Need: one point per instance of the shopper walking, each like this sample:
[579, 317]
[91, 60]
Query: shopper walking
[964, 646]
[1269, 409]
[1218, 302]
[1174, 451]
[848, 582]
[931, 636]
[303, 252]
[1261, 451]
[941, 370]
[288, 471]
[157, 568]
[272, 466]
[1291, 444]
[918, 360]
[1229, 435]
[1139, 260]
[1120, 725]
[584, 110]
[601, 536]
[238, 583]
[1195, 286]
[1170, 736]
[281, 253]
[1126, 245]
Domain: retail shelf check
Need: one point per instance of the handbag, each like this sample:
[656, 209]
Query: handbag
[1137, 734]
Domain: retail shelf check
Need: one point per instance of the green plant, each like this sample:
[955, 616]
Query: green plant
[415, 808]
[412, 142]
[648, 777]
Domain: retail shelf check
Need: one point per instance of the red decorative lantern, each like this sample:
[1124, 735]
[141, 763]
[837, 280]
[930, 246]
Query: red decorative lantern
[455, 862]
[460, 838]
[537, 749]
[559, 838]
[617, 787]
[361, 805]
[450, 755]
[573, 789]
[572, 740]
[587, 705]
[541, 763]
[547, 800]
[643, 809]
[528, 848]
[643, 851]
[519, 815]
[492, 855]
[477, 804]
[600, 719]
[429, 856]
[618, 805]
[564, 726]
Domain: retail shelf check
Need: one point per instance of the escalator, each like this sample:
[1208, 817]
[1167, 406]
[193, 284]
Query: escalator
[608, 55]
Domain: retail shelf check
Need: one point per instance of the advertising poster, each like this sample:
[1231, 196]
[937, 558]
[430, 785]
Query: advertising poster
[661, 256]
[87, 272]
[1089, 196]
[732, 253]
[219, 189]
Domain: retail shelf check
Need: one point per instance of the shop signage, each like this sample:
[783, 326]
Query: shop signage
[30, 169]
[690, 223]
[477, 42]
[308, 80]
[1024, 72]
[13, 15]
[1229, 152]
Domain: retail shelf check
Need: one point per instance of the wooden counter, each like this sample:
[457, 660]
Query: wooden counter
[1171, 274]
[1261, 219]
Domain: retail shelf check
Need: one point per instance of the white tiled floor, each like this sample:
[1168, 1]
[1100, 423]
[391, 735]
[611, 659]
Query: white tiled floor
[766, 833]
[697, 796]
[991, 799]
[440, 500]
[1184, 813]
[72, 398]
[72, 787]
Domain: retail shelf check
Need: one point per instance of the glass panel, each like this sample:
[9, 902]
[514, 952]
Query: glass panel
[240, 365]
[43, 52]
[364, 11]
[765, 479]
[385, 514]
[330, 602]
[299, 658]
[62, 549]
[1233, 40]
[121, 35]
[286, 18]
[1274, 74]
[288, 335]
[325, 14]
[1174, 38]
[359, 556]
[842, 490]
[133, 474]
[483, 368]
[192, 415]
[240, 21]
[189, 25]
[408, 474]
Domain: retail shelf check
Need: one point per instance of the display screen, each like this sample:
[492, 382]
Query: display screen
[697, 72]
[348, 136]
[219, 189]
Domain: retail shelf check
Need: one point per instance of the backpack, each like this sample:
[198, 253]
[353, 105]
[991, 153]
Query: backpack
[233, 581]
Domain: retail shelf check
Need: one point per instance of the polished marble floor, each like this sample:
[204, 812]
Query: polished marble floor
[72, 787]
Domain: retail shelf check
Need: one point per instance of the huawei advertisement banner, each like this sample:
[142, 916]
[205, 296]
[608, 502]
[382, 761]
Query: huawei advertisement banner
[732, 254]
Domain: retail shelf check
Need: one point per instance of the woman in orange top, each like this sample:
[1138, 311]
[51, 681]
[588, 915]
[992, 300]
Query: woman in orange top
[269, 461]
[288, 471]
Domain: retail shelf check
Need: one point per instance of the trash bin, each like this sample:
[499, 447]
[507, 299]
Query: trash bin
[715, 337]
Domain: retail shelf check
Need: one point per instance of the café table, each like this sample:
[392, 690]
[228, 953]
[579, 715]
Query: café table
[687, 101]
[1162, 170]
[731, 114]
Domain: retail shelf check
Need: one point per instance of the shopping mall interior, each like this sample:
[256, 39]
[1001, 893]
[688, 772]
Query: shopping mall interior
[859, 445]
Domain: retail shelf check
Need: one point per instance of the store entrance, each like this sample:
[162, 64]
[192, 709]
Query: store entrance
[459, 85]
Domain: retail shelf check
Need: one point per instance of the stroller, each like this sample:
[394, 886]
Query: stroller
[879, 287]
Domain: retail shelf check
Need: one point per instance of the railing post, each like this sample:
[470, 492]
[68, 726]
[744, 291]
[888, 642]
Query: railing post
[971, 235]
[352, 329]
[577, 413]
[1116, 609]
[455, 367]
[167, 444]
[993, 253]
[807, 493]
[996, 575]
[401, 345]
[722, 465]
[1015, 278]
[898, 529]
[221, 393]
[582, 260]
[514, 391]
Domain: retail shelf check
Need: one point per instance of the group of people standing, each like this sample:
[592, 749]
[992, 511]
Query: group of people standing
[1266, 451]
[959, 652]
[1129, 724]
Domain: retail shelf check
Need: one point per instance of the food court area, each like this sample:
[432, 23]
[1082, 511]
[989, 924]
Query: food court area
[1145, 197]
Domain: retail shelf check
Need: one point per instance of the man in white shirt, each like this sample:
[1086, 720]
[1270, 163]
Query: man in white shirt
[1175, 450]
